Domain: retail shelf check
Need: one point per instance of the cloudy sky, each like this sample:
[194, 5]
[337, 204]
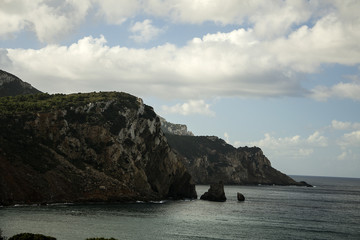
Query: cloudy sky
[281, 75]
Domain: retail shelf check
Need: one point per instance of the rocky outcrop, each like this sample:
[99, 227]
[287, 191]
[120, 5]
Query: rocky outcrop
[210, 159]
[215, 193]
[177, 129]
[86, 147]
[11, 85]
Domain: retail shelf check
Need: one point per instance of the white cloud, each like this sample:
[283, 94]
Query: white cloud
[189, 108]
[227, 137]
[340, 90]
[144, 31]
[350, 139]
[317, 139]
[342, 156]
[292, 147]
[339, 125]
[5, 61]
[48, 19]
[118, 11]
[242, 62]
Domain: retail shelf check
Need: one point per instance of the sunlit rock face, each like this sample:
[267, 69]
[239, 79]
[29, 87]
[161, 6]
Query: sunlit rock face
[86, 147]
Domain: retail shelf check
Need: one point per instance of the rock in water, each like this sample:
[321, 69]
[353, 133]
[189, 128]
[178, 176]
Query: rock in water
[240, 197]
[215, 193]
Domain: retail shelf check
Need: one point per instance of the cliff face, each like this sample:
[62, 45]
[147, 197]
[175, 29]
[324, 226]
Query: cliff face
[11, 85]
[86, 147]
[211, 159]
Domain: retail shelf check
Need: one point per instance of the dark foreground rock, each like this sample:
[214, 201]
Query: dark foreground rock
[86, 147]
[215, 193]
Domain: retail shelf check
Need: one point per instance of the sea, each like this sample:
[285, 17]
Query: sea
[329, 210]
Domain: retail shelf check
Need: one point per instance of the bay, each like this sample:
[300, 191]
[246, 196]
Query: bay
[330, 210]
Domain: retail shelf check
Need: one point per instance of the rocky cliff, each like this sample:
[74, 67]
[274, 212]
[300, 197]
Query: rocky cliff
[85, 147]
[210, 160]
[11, 85]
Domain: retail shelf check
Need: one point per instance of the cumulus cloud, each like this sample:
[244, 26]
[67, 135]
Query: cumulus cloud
[190, 108]
[317, 139]
[117, 11]
[144, 31]
[350, 139]
[48, 19]
[340, 90]
[293, 147]
[243, 62]
[5, 61]
[340, 125]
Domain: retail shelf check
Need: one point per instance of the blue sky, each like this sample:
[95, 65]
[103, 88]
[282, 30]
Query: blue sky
[281, 75]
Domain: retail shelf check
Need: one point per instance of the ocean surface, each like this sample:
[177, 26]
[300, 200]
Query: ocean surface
[330, 210]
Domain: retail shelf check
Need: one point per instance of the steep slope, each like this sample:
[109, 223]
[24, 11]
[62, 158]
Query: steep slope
[11, 85]
[85, 147]
[211, 159]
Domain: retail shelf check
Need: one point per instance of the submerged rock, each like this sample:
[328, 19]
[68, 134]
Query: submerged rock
[305, 184]
[215, 193]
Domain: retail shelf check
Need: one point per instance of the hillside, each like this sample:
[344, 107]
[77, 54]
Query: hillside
[210, 160]
[85, 147]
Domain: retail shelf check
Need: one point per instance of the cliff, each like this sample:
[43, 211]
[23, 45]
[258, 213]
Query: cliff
[11, 85]
[85, 147]
[210, 160]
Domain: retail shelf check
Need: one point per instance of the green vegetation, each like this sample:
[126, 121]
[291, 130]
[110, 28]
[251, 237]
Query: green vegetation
[31, 236]
[44, 102]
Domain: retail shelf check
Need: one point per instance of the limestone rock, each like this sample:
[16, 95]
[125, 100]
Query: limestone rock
[215, 193]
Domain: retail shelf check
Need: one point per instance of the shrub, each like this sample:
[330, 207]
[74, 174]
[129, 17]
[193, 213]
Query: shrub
[31, 236]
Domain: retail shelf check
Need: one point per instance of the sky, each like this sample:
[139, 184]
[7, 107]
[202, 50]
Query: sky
[280, 75]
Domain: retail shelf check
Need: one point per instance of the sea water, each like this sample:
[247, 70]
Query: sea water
[330, 210]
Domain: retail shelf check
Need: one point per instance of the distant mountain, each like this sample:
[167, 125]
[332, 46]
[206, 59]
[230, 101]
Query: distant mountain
[10, 85]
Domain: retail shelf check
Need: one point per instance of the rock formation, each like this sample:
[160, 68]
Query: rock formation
[215, 193]
[85, 147]
[11, 85]
[177, 129]
[210, 159]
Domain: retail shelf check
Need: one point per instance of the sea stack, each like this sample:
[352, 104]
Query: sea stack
[215, 193]
[240, 197]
